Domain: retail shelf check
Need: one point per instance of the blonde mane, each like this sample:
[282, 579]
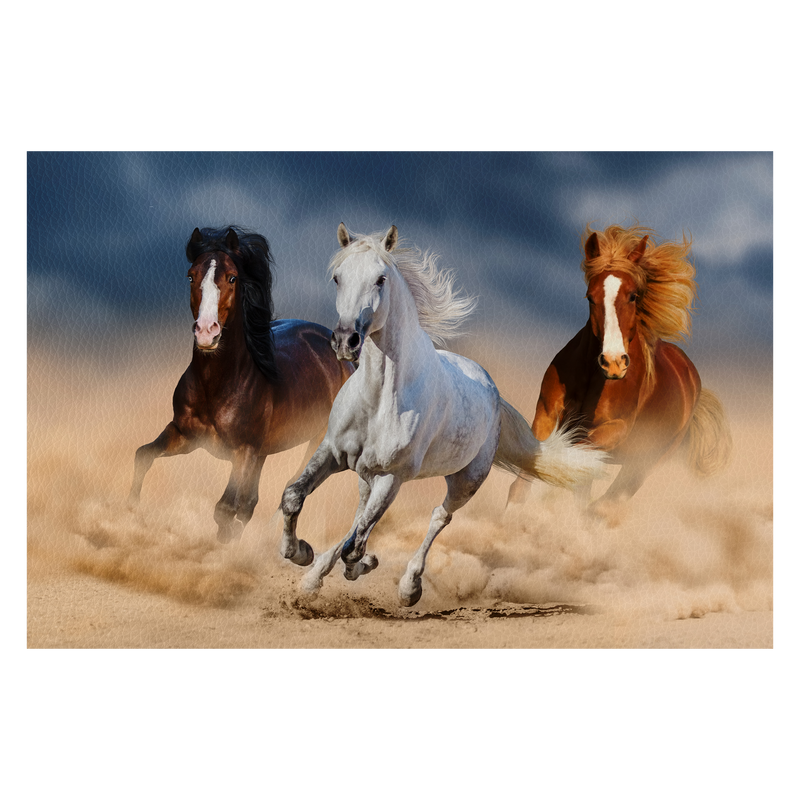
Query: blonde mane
[664, 279]
[440, 307]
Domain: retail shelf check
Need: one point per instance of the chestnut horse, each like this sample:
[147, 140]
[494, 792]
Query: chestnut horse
[635, 394]
[255, 385]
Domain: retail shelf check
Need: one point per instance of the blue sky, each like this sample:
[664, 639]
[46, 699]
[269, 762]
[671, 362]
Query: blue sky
[106, 230]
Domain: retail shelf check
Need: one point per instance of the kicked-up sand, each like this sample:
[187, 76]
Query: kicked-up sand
[688, 566]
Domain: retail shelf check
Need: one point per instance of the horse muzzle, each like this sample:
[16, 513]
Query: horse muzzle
[614, 367]
[347, 344]
[348, 339]
[207, 336]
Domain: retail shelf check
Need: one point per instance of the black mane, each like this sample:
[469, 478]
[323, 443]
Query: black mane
[254, 262]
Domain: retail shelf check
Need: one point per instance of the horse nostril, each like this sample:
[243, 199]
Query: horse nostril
[354, 340]
[602, 360]
[626, 359]
[334, 343]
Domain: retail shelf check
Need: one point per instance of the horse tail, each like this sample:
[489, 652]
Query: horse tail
[709, 439]
[559, 460]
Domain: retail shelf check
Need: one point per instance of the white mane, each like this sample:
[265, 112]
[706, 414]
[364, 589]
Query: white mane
[440, 307]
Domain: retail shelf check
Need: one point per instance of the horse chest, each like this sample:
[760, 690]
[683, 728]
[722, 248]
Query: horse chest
[390, 443]
[224, 423]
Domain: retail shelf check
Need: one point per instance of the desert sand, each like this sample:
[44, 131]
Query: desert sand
[689, 566]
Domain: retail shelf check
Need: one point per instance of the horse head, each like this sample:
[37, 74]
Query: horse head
[213, 288]
[363, 280]
[612, 297]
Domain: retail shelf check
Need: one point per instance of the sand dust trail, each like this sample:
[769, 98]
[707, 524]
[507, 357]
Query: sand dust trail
[687, 547]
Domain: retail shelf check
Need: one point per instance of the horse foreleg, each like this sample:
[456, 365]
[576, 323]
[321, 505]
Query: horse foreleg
[321, 466]
[313, 446]
[375, 498]
[549, 410]
[519, 491]
[170, 442]
[235, 508]
[609, 506]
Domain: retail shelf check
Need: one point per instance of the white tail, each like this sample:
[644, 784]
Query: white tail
[559, 460]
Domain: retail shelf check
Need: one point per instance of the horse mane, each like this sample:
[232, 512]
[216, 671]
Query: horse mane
[440, 307]
[254, 263]
[664, 278]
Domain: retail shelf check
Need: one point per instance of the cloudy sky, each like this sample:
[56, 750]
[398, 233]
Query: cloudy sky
[106, 231]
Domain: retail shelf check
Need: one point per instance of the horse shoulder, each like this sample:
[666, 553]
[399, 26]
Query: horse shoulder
[669, 355]
[677, 385]
[189, 403]
[550, 405]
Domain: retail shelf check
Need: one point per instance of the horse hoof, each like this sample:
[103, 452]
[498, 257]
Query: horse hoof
[367, 564]
[370, 562]
[227, 533]
[304, 555]
[411, 598]
[311, 585]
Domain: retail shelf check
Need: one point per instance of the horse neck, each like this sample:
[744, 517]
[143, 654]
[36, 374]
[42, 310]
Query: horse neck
[401, 351]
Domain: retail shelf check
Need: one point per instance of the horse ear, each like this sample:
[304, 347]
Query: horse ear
[195, 239]
[232, 240]
[592, 247]
[343, 235]
[390, 240]
[638, 251]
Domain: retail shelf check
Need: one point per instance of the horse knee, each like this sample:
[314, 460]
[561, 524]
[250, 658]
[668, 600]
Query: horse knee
[292, 501]
[224, 512]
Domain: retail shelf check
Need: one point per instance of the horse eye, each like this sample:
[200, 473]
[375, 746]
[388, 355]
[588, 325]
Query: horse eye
[232, 279]
[381, 280]
[190, 278]
[633, 297]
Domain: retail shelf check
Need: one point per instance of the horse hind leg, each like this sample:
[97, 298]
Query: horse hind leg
[409, 589]
[461, 486]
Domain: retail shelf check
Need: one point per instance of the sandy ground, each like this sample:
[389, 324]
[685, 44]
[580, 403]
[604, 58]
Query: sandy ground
[689, 567]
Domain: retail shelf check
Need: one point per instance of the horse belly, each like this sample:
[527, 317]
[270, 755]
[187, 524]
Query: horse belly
[459, 442]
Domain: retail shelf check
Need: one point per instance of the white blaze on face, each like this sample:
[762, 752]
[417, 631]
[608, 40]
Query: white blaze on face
[209, 307]
[612, 335]
[209, 295]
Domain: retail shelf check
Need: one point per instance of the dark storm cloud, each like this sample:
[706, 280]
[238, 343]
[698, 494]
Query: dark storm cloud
[106, 230]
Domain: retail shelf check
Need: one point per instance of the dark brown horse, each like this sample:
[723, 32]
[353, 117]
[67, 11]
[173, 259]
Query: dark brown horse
[636, 395]
[256, 385]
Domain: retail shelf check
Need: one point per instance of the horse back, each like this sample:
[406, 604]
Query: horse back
[309, 378]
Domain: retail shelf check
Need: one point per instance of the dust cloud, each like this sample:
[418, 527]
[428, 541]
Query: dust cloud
[686, 547]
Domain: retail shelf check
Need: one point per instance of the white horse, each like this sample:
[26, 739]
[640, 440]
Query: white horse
[411, 411]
